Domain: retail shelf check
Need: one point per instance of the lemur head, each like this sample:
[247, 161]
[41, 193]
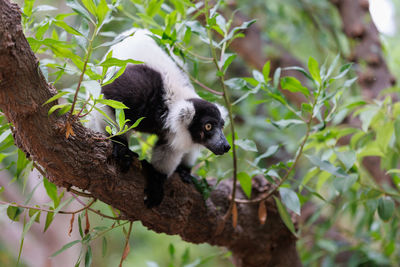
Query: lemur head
[206, 126]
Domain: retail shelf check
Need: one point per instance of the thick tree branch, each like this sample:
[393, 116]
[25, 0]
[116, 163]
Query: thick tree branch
[84, 161]
[367, 48]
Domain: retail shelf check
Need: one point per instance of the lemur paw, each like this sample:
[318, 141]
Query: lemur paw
[123, 156]
[184, 173]
[154, 191]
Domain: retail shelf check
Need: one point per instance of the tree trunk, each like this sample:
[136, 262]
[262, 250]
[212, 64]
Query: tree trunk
[84, 161]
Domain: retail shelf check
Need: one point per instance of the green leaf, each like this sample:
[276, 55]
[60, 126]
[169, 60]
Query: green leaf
[293, 85]
[384, 135]
[236, 83]
[246, 144]
[153, 7]
[65, 247]
[102, 10]
[343, 185]
[104, 247]
[277, 75]
[90, 6]
[327, 166]
[347, 158]
[53, 98]
[245, 183]
[88, 257]
[283, 124]
[112, 103]
[270, 151]
[14, 212]
[78, 8]
[67, 28]
[290, 199]
[171, 250]
[29, 224]
[285, 216]
[111, 62]
[314, 69]
[42, 8]
[59, 106]
[32, 212]
[266, 70]
[227, 60]
[51, 190]
[49, 220]
[385, 208]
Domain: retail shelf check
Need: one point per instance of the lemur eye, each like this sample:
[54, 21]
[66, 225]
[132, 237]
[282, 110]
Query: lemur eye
[208, 127]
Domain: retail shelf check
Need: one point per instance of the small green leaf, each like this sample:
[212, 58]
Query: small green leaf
[51, 190]
[314, 69]
[227, 60]
[293, 85]
[285, 216]
[171, 250]
[283, 124]
[277, 75]
[290, 199]
[60, 106]
[29, 224]
[102, 10]
[236, 83]
[32, 212]
[65, 247]
[104, 247]
[343, 184]
[88, 257]
[111, 62]
[385, 208]
[266, 70]
[67, 28]
[327, 166]
[270, 151]
[246, 144]
[49, 220]
[245, 183]
[347, 158]
[13, 213]
[112, 103]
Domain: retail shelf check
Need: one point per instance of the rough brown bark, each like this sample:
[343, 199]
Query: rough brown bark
[367, 48]
[84, 161]
[358, 25]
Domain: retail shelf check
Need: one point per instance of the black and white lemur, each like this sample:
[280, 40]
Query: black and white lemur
[160, 92]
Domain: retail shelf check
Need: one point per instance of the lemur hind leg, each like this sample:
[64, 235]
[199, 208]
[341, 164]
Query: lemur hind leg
[122, 154]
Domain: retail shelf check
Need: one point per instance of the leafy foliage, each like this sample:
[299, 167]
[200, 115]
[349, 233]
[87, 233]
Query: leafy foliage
[322, 171]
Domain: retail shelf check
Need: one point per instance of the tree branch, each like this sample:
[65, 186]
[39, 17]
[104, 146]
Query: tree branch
[84, 161]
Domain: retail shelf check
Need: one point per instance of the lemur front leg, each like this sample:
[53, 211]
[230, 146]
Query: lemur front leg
[164, 161]
[185, 167]
[122, 154]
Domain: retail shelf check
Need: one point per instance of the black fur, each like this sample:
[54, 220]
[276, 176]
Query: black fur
[141, 89]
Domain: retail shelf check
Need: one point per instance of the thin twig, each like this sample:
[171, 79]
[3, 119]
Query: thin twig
[89, 52]
[96, 211]
[126, 247]
[229, 107]
[46, 210]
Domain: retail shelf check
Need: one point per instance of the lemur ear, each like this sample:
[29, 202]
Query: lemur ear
[222, 110]
[180, 116]
[186, 114]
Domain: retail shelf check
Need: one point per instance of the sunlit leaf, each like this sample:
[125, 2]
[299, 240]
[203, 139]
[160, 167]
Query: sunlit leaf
[290, 199]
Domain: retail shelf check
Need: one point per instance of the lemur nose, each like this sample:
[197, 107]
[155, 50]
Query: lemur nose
[226, 148]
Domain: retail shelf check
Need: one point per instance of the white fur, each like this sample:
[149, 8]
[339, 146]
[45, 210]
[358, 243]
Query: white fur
[179, 146]
[143, 48]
